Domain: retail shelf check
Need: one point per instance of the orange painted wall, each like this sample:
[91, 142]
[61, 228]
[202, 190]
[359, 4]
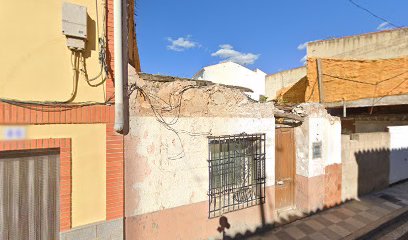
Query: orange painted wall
[350, 80]
[357, 79]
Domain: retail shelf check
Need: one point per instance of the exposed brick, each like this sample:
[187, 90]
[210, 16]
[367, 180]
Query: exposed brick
[20, 115]
[68, 116]
[27, 115]
[1, 112]
[13, 114]
[7, 111]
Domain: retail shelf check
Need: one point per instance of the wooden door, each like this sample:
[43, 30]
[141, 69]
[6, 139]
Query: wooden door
[29, 196]
[284, 168]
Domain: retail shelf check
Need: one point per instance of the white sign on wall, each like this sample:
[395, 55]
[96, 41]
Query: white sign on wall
[14, 133]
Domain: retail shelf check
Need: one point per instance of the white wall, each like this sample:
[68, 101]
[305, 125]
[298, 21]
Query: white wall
[155, 181]
[377, 45]
[277, 81]
[317, 129]
[230, 73]
[399, 153]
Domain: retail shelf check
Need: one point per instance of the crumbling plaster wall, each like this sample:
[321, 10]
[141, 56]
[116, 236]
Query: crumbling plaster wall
[319, 126]
[318, 178]
[167, 164]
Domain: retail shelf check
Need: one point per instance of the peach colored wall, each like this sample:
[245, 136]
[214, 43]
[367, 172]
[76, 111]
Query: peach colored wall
[191, 221]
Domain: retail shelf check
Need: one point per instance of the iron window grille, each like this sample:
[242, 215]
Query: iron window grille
[236, 172]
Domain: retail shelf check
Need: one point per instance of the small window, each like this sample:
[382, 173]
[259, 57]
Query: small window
[236, 172]
[317, 150]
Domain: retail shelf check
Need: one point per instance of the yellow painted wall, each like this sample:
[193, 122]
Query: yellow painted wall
[88, 166]
[35, 61]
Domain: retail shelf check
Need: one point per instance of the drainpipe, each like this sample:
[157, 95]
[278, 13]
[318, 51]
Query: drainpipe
[118, 55]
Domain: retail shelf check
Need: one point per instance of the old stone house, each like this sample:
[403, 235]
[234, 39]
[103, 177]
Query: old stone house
[199, 154]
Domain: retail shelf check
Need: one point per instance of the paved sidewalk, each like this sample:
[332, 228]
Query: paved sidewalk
[343, 220]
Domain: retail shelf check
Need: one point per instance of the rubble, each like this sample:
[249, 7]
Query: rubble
[171, 96]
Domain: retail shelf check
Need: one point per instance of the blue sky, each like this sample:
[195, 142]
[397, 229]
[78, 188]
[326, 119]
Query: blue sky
[179, 37]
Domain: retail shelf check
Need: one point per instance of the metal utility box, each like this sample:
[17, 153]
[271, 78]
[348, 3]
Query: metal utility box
[74, 25]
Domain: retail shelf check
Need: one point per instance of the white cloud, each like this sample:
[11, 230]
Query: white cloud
[182, 43]
[384, 26]
[227, 53]
[303, 60]
[302, 46]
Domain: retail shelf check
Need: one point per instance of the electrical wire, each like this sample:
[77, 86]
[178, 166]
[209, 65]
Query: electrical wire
[103, 72]
[376, 85]
[67, 105]
[372, 14]
[169, 107]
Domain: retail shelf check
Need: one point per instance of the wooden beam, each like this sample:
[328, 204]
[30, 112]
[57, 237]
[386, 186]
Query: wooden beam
[320, 80]
[289, 116]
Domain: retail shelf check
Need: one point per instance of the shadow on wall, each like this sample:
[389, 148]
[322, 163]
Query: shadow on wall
[379, 168]
[373, 170]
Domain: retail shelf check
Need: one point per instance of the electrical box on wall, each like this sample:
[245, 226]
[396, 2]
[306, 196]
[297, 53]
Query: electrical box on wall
[74, 25]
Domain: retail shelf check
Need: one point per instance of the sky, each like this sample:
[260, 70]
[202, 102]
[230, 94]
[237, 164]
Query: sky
[179, 37]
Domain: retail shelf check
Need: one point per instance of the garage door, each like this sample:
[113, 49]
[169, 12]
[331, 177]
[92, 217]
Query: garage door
[29, 195]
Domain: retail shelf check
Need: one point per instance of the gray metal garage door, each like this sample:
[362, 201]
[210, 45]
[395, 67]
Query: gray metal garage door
[29, 195]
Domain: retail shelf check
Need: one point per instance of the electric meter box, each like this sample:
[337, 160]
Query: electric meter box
[74, 20]
[74, 25]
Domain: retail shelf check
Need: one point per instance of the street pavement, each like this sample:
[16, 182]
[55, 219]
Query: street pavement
[344, 220]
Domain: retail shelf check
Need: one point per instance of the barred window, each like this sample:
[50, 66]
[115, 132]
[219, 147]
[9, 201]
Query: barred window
[236, 172]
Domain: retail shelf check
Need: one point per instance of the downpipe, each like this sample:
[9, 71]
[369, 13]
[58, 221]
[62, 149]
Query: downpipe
[118, 55]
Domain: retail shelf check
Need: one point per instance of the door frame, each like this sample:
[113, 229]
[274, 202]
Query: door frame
[292, 205]
[64, 146]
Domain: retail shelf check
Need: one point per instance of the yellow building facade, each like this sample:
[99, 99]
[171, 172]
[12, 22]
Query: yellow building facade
[51, 96]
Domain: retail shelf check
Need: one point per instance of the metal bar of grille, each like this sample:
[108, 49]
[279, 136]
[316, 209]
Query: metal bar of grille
[236, 172]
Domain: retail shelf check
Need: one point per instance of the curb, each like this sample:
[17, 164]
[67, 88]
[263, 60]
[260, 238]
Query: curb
[369, 231]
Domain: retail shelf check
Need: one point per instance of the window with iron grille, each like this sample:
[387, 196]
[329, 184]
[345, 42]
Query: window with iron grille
[236, 172]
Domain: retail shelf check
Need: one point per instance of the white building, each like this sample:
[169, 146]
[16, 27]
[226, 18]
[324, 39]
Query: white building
[231, 73]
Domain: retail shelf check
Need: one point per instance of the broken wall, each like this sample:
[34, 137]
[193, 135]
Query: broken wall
[166, 150]
[318, 159]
